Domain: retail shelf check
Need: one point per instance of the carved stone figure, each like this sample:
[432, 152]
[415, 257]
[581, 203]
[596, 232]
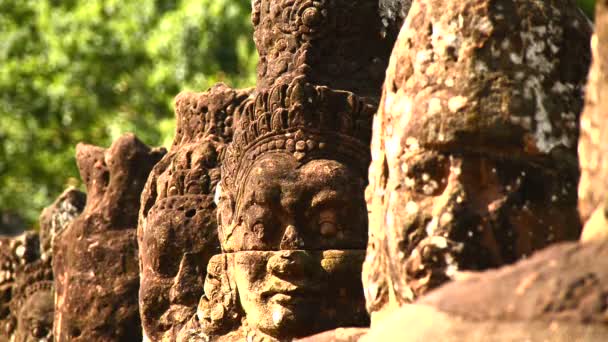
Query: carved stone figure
[14, 253]
[33, 303]
[95, 259]
[291, 211]
[177, 230]
[26, 276]
[474, 148]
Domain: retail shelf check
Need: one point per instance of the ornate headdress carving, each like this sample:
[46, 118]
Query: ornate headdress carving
[31, 278]
[320, 73]
[343, 44]
[304, 120]
[204, 125]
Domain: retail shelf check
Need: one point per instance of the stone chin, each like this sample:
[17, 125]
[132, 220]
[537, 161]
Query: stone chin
[298, 292]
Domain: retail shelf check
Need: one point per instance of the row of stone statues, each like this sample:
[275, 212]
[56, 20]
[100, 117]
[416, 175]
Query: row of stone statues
[264, 221]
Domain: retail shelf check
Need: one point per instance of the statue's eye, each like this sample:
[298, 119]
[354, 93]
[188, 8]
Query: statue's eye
[427, 175]
[39, 331]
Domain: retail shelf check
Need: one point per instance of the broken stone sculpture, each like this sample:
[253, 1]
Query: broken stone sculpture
[32, 303]
[57, 216]
[474, 148]
[26, 276]
[95, 261]
[15, 252]
[177, 227]
[593, 145]
[291, 211]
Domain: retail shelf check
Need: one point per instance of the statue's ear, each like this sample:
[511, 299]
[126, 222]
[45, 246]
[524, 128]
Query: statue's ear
[225, 209]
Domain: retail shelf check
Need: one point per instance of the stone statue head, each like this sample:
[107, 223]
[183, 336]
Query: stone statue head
[292, 216]
[33, 303]
[177, 231]
[15, 252]
[95, 258]
[474, 148]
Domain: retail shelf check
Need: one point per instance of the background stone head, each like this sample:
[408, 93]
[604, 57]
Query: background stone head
[14, 254]
[57, 216]
[32, 303]
[177, 226]
[95, 260]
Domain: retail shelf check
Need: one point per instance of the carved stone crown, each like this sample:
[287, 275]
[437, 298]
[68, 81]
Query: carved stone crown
[31, 278]
[207, 115]
[302, 119]
[343, 44]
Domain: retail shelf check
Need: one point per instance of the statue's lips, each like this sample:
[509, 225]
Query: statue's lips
[290, 294]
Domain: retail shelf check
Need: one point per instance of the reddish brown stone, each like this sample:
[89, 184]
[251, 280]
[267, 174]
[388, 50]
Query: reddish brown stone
[337, 335]
[95, 258]
[32, 304]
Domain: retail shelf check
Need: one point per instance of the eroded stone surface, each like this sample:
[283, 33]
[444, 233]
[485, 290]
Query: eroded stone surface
[342, 44]
[593, 146]
[95, 259]
[337, 335]
[177, 227]
[474, 148]
[560, 294]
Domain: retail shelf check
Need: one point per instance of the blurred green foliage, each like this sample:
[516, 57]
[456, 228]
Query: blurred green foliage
[90, 70]
[588, 6]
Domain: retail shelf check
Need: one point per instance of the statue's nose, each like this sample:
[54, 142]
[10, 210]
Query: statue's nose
[291, 239]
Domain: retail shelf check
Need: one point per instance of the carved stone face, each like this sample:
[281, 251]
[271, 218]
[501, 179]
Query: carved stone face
[294, 293]
[35, 320]
[297, 246]
[457, 212]
[283, 206]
